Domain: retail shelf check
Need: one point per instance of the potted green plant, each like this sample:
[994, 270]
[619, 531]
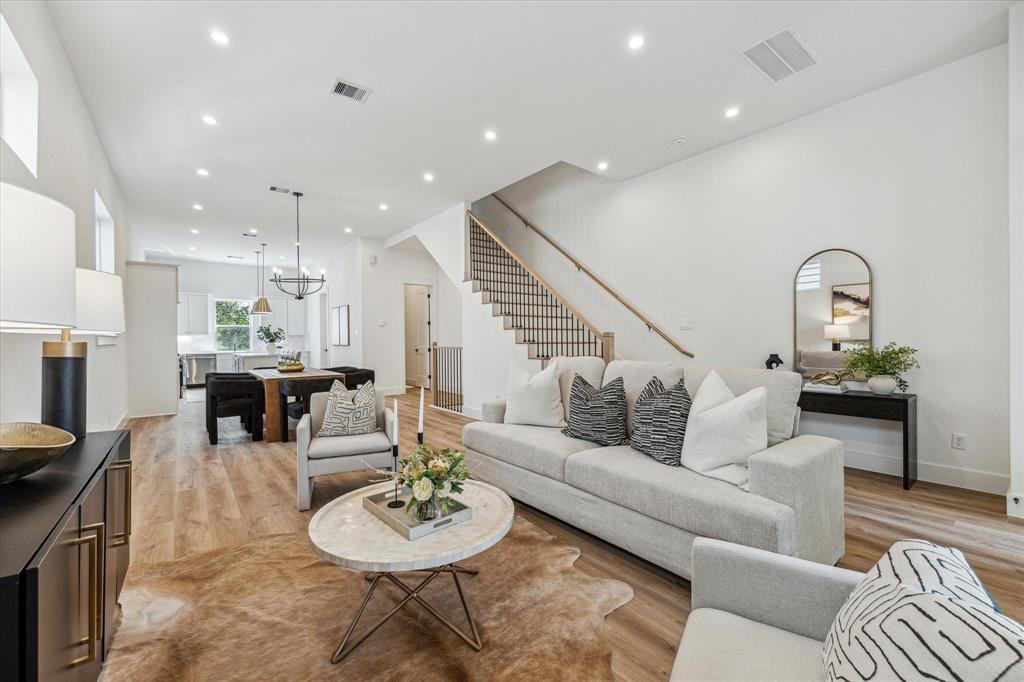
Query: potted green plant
[271, 337]
[883, 366]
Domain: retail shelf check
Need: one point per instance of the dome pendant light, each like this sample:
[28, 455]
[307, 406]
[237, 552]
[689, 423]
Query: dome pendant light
[302, 282]
[262, 305]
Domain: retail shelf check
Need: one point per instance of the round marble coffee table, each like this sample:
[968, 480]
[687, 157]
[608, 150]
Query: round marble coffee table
[344, 533]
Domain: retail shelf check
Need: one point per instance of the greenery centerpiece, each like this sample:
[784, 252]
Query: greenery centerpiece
[888, 361]
[270, 336]
[433, 476]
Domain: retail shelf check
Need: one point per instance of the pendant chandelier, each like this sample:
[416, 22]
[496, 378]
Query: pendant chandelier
[302, 284]
[262, 305]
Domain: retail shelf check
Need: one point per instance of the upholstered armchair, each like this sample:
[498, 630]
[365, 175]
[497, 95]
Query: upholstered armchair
[231, 394]
[337, 454]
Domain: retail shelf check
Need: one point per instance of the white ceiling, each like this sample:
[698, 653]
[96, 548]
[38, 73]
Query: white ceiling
[555, 80]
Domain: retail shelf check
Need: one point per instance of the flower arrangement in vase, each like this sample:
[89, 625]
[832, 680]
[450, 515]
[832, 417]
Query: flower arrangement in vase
[883, 366]
[270, 336]
[433, 477]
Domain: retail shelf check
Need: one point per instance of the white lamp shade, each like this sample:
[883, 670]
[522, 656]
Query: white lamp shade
[100, 302]
[37, 261]
[837, 331]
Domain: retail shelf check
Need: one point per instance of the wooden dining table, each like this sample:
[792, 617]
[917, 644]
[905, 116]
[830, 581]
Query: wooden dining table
[272, 379]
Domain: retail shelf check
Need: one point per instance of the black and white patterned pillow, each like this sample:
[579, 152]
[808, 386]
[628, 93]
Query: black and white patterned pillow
[659, 421]
[597, 415]
[922, 613]
[350, 413]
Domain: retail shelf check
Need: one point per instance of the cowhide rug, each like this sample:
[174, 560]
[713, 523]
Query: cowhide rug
[269, 609]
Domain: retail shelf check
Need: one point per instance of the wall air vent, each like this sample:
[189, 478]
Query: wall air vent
[282, 190]
[779, 56]
[352, 91]
[236, 257]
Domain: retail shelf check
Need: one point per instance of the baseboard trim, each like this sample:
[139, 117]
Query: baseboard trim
[944, 474]
[391, 390]
[145, 416]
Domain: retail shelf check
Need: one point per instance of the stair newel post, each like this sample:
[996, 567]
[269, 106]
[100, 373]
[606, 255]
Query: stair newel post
[608, 346]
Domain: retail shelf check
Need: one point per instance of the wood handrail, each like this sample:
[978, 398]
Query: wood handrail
[600, 282]
[515, 256]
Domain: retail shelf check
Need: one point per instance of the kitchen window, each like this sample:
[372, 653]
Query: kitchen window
[231, 320]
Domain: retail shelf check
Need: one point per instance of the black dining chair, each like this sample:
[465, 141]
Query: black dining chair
[301, 390]
[354, 376]
[233, 394]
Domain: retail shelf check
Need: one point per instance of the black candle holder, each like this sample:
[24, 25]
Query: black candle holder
[419, 438]
[395, 503]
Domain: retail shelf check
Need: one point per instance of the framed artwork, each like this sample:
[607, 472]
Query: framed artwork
[851, 305]
[340, 325]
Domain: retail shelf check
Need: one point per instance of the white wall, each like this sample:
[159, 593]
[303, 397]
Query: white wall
[912, 177]
[1015, 498]
[151, 299]
[72, 167]
[344, 287]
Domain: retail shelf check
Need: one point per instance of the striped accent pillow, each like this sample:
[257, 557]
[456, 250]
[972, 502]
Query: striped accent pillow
[922, 613]
[350, 413]
[659, 421]
[597, 415]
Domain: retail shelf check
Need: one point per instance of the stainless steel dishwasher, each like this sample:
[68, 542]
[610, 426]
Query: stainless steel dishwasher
[197, 366]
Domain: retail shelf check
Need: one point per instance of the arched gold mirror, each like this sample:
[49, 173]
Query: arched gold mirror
[832, 309]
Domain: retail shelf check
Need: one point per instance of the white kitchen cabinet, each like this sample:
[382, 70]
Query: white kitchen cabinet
[193, 314]
[278, 316]
[225, 362]
[296, 317]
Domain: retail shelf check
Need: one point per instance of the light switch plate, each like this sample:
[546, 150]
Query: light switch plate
[958, 441]
[688, 325]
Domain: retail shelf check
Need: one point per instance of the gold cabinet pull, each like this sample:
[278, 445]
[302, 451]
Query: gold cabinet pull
[94, 599]
[121, 539]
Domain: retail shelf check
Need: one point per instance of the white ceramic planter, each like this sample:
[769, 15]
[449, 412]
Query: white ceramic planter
[882, 384]
[272, 350]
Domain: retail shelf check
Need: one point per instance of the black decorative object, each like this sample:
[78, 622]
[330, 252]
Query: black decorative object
[397, 502]
[302, 281]
[64, 375]
[773, 361]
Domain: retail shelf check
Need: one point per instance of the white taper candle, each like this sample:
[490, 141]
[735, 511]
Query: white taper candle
[419, 425]
[394, 429]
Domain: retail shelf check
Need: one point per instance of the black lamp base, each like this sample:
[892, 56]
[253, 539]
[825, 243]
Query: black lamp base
[64, 385]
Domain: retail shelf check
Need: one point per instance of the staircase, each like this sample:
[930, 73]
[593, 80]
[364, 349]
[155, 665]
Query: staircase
[542, 320]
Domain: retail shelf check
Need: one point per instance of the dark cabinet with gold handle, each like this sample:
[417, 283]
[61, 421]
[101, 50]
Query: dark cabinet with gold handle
[64, 547]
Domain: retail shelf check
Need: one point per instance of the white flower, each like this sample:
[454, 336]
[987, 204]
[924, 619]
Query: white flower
[445, 490]
[423, 489]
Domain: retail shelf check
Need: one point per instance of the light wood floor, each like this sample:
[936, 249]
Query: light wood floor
[191, 496]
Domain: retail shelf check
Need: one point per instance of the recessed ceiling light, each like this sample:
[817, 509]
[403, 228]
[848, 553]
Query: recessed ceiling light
[253, 230]
[429, 177]
[383, 207]
[202, 172]
[636, 42]
[281, 257]
[219, 37]
[209, 120]
[490, 135]
[348, 230]
[191, 248]
[732, 112]
[603, 165]
[198, 207]
[194, 231]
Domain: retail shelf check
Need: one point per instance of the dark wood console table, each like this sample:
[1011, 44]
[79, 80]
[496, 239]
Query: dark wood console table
[900, 407]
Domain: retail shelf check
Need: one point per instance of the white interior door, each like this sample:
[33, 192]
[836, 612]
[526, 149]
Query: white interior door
[417, 335]
[322, 334]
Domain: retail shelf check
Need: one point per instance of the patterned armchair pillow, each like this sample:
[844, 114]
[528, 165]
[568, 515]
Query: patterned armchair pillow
[350, 413]
[922, 613]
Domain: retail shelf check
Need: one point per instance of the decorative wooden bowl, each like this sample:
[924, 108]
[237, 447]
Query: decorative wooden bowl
[26, 447]
[291, 368]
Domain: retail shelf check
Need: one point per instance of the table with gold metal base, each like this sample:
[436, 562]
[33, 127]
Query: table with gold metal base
[412, 594]
[344, 533]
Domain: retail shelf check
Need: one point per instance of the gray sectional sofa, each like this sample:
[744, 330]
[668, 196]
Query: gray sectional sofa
[794, 505]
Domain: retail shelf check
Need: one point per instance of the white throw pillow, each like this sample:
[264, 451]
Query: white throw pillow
[723, 430]
[536, 400]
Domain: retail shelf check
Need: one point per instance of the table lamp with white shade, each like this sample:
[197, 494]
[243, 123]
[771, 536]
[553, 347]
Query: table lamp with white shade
[838, 333]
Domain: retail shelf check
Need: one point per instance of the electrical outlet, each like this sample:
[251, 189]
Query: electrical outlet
[959, 441]
[688, 325]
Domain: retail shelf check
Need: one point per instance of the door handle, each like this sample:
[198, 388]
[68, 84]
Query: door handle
[93, 541]
[121, 539]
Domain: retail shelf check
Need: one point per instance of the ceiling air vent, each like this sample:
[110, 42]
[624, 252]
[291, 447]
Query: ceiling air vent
[779, 56]
[282, 190]
[236, 257]
[352, 91]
